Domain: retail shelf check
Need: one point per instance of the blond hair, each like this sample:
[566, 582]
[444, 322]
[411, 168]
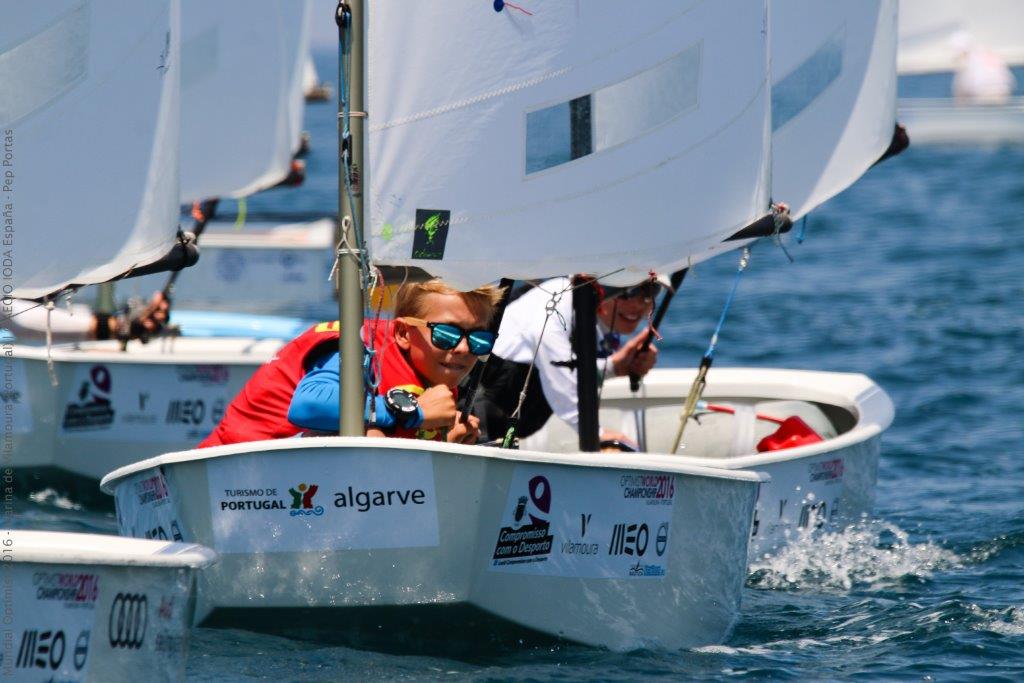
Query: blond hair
[411, 298]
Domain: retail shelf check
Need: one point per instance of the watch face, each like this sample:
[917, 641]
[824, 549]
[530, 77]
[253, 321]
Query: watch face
[403, 400]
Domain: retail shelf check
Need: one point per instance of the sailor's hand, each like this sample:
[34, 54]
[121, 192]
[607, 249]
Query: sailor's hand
[438, 406]
[465, 433]
[630, 359]
[148, 322]
[155, 315]
[643, 361]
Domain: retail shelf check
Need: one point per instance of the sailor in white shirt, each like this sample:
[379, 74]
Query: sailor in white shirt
[981, 76]
[28, 321]
[552, 386]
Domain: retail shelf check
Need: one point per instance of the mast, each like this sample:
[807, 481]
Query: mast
[350, 18]
[584, 343]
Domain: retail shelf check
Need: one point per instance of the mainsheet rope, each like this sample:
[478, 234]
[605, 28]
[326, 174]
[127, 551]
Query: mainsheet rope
[700, 381]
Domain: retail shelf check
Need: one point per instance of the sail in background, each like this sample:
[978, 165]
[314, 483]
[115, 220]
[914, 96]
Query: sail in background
[241, 94]
[926, 27]
[833, 95]
[89, 115]
[586, 137]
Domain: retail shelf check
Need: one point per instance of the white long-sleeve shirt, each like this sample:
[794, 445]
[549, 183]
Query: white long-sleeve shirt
[982, 77]
[517, 339]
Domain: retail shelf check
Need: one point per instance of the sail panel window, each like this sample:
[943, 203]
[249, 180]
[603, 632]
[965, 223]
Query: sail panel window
[800, 87]
[614, 114]
[40, 69]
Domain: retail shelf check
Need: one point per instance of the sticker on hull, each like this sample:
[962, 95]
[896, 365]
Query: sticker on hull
[322, 501]
[574, 522]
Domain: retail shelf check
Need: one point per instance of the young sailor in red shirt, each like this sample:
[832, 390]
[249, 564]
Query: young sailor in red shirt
[433, 342]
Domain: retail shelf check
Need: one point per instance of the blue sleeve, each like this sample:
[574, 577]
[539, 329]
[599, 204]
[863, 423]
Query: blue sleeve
[315, 403]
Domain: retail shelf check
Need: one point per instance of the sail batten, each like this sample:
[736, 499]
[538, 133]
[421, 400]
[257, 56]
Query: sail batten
[561, 141]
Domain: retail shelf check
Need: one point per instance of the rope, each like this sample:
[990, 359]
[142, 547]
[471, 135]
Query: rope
[502, 4]
[700, 381]
[243, 210]
[49, 344]
[744, 262]
[550, 307]
[803, 229]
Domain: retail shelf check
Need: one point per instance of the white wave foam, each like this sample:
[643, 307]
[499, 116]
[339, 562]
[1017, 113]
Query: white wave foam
[869, 553]
[1006, 622]
[49, 496]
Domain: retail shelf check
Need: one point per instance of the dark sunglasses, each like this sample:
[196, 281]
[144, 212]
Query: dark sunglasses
[647, 291]
[447, 336]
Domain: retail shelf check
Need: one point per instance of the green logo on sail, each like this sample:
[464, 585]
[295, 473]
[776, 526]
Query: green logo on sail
[431, 227]
[431, 233]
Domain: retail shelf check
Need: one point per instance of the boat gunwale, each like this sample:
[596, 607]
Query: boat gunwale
[239, 350]
[1011, 105]
[872, 408]
[31, 546]
[624, 461]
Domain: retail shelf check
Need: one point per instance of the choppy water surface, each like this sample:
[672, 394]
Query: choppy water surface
[915, 276]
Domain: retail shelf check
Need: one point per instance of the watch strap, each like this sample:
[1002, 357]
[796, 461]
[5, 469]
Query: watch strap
[384, 418]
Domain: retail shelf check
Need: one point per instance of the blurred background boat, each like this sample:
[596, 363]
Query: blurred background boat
[968, 48]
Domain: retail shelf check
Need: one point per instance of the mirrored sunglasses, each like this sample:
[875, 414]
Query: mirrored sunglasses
[447, 336]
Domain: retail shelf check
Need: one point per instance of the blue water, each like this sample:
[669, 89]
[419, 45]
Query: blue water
[915, 277]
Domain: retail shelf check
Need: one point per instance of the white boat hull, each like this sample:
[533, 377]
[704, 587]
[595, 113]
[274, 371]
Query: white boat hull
[110, 408]
[620, 551]
[828, 483]
[942, 121]
[259, 268]
[82, 607]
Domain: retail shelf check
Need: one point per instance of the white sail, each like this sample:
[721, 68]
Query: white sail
[241, 94]
[89, 125]
[310, 79]
[926, 27]
[833, 95]
[585, 137]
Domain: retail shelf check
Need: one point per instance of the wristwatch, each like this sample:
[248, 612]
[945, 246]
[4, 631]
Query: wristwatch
[404, 407]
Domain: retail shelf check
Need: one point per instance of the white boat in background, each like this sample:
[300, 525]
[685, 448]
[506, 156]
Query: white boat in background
[943, 121]
[84, 607]
[831, 482]
[265, 268]
[111, 407]
[355, 534]
[346, 535]
[926, 46]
